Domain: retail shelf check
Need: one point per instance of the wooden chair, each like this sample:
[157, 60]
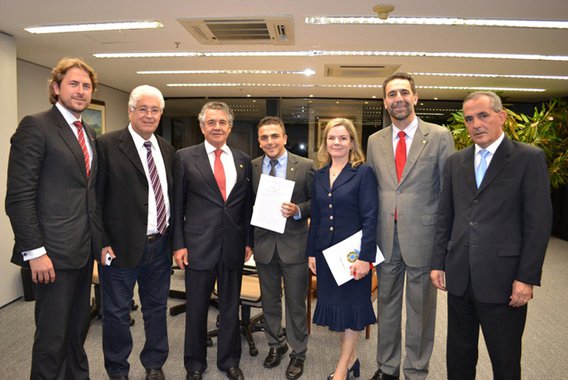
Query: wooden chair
[312, 294]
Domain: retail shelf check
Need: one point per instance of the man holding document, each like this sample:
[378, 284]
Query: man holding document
[280, 254]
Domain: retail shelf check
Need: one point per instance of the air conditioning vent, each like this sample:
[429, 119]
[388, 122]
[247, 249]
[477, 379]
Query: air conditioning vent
[360, 71]
[266, 30]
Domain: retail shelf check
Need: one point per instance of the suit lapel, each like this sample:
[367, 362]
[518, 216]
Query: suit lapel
[256, 172]
[69, 139]
[292, 167]
[240, 168]
[323, 178]
[127, 147]
[498, 162]
[345, 176]
[202, 164]
[386, 145]
[168, 162]
[419, 142]
[468, 168]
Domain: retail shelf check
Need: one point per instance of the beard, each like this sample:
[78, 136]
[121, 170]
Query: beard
[399, 113]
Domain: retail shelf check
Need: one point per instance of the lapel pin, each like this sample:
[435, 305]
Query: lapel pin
[291, 169]
[241, 166]
[423, 141]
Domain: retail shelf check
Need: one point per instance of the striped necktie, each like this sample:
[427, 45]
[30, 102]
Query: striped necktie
[157, 186]
[81, 138]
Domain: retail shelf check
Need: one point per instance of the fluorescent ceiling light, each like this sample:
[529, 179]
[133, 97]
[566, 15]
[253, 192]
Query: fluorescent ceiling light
[335, 53]
[96, 27]
[373, 86]
[306, 72]
[510, 76]
[325, 20]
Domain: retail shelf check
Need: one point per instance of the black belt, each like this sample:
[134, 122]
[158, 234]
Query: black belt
[153, 237]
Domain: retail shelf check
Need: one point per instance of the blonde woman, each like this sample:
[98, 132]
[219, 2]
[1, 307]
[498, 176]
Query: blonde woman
[344, 201]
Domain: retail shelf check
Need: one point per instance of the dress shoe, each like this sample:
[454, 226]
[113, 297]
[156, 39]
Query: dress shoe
[155, 374]
[274, 356]
[295, 368]
[379, 375]
[194, 375]
[235, 373]
[355, 369]
[118, 377]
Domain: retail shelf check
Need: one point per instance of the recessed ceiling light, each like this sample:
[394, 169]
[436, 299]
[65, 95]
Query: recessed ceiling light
[95, 27]
[436, 21]
[335, 53]
[512, 76]
[306, 72]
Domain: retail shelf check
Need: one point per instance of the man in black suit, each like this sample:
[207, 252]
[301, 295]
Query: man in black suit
[212, 209]
[51, 203]
[281, 258]
[494, 226]
[134, 190]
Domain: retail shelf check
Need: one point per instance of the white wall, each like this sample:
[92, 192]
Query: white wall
[23, 92]
[10, 284]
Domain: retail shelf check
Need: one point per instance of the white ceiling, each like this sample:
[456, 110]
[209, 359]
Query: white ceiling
[121, 74]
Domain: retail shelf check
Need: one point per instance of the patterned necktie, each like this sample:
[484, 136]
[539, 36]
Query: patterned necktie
[219, 173]
[481, 167]
[157, 186]
[400, 156]
[81, 138]
[273, 168]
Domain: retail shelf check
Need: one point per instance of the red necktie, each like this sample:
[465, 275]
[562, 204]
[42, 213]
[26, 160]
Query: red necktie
[400, 156]
[81, 137]
[219, 173]
[157, 186]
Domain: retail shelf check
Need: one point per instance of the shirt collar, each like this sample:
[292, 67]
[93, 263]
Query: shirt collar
[67, 115]
[210, 148]
[493, 147]
[282, 160]
[139, 141]
[410, 130]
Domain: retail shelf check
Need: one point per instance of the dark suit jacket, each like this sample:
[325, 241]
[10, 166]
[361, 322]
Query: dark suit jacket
[49, 199]
[337, 213]
[122, 193]
[210, 228]
[498, 233]
[292, 244]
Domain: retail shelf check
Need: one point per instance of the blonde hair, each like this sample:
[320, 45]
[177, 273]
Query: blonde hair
[356, 155]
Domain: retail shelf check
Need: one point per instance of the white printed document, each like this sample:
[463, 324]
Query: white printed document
[342, 255]
[271, 193]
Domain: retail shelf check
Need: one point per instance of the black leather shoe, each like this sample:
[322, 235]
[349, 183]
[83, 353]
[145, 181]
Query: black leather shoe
[155, 374]
[379, 375]
[194, 375]
[235, 373]
[118, 377]
[274, 356]
[295, 368]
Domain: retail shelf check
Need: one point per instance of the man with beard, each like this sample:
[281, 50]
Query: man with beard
[408, 159]
[52, 207]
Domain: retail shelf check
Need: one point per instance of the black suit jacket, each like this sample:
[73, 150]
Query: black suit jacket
[499, 233]
[49, 199]
[292, 243]
[210, 228]
[122, 192]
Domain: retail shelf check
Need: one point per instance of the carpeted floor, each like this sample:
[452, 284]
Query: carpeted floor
[544, 354]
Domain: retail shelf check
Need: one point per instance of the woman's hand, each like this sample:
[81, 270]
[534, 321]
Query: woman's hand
[360, 269]
[312, 264]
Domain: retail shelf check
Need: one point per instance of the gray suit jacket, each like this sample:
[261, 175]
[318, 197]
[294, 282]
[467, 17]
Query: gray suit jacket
[292, 244]
[416, 197]
[50, 200]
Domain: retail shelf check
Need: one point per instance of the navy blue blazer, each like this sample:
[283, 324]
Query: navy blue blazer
[339, 212]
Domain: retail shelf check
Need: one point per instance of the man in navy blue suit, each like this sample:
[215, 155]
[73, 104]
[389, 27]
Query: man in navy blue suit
[494, 226]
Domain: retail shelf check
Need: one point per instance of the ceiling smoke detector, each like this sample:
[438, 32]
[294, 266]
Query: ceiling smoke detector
[383, 10]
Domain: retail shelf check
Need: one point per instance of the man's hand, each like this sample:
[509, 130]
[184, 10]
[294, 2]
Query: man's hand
[312, 264]
[521, 295]
[42, 270]
[104, 252]
[180, 257]
[289, 209]
[248, 253]
[438, 278]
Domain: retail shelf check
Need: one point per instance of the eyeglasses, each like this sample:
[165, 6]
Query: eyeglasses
[154, 111]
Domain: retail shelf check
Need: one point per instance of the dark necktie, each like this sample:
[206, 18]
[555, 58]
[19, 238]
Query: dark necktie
[81, 138]
[400, 156]
[157, 186]
[219, 173]
[273, 167]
